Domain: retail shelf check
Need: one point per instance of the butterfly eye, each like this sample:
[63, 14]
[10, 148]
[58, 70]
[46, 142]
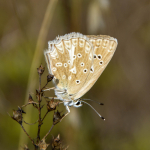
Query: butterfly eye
[78, 103]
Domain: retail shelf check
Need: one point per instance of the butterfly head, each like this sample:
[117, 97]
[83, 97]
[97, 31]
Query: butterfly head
[74, 103]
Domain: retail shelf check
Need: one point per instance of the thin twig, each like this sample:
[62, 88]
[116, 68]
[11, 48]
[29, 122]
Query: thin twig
[37, 57]
[48, 132]
[39, 109]
[31, 123]
[24, 105]
[29, 104]
[44, 86]
[28, 135]
[45, 116]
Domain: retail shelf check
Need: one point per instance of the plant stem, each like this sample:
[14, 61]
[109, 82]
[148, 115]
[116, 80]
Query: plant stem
[38, 54]
[28, 135]
[45, 116]
[48, 132]
[39, 109]
[44, 86]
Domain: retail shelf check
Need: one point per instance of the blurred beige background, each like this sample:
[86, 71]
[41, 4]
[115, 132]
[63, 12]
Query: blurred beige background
[123, 87]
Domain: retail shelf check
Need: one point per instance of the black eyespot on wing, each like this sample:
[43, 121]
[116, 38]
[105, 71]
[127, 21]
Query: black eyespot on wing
[99, 57]
[101, 62]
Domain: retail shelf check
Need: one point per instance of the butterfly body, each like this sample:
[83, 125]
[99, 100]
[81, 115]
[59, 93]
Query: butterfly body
[77, 61]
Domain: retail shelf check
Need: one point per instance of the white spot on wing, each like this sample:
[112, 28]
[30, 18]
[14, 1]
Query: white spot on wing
[54, 54]
[67, 44]
[59, 64]
[98, 42]
[105, 43]
[81, 42]
[73, 70]
[69, 78]
[60, 47]
[65, 65]
[112, 46]
[75, 41]
[54, 69]
[87, 47]
[63, 76]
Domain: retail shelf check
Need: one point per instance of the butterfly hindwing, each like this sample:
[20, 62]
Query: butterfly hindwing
[104, 48]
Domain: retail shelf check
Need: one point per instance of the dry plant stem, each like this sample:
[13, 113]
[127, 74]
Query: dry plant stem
[29, 104]
[48, 132]
[31, 123]
[24, 105]
[37, 57]
[28, 135]
[39, 109]
[44, 86]
[45, 116]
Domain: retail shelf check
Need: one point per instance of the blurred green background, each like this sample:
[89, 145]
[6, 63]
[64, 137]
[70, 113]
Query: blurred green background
[123, 87]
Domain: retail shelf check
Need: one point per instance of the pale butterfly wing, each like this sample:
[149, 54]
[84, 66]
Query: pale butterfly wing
[104, 48]
[69, 58]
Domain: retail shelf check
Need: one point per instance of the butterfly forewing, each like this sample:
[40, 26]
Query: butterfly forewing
[69, 59]
[104, 48]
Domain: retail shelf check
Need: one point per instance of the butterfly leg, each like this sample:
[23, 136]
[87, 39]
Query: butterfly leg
[48, 89]
[68, 111]
[50, 97]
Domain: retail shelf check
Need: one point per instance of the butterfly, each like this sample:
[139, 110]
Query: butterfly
[77, 61]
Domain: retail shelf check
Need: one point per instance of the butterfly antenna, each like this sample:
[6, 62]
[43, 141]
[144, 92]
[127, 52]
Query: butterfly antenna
[93, 109]
[94, 101]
